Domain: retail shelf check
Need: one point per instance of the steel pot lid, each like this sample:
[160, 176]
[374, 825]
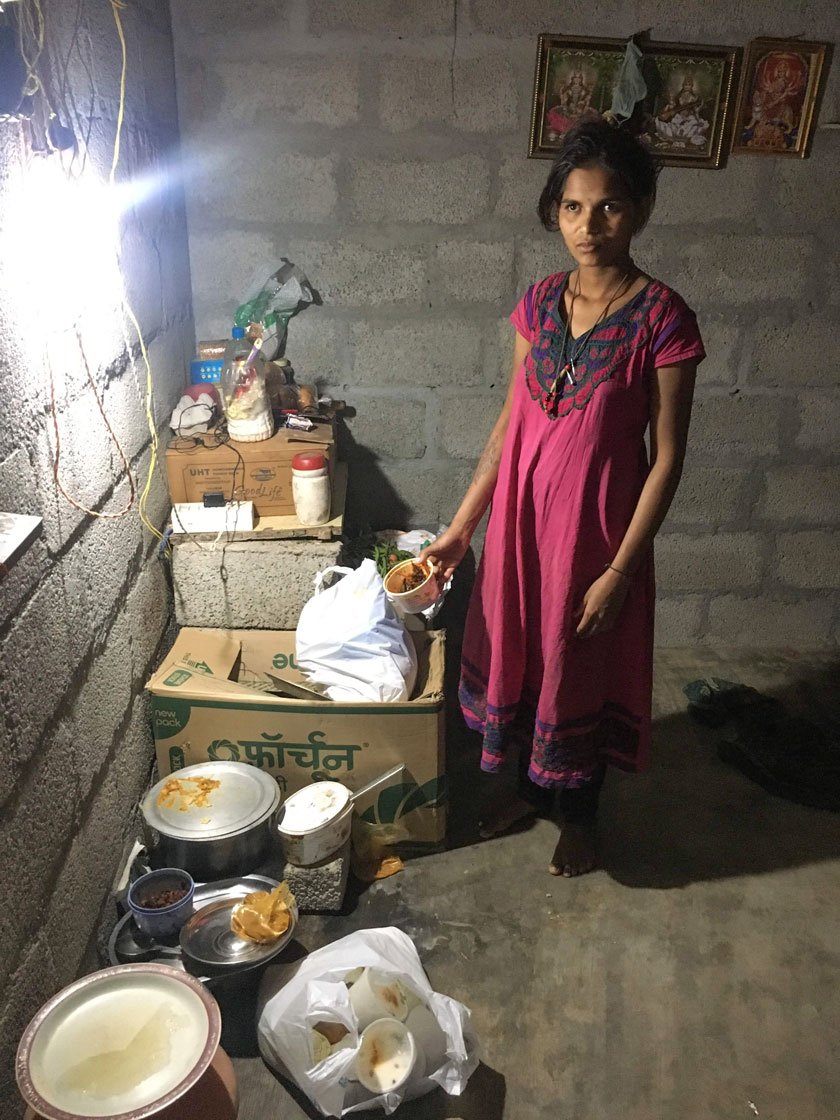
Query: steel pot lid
[211, 801]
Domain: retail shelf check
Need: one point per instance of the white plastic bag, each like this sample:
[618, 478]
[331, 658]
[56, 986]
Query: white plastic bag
[295, 997]
[350, 641]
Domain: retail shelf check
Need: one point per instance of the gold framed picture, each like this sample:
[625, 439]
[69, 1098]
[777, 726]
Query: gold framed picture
[574, 79]
[686, 117]
[688, 113]
[780, 91]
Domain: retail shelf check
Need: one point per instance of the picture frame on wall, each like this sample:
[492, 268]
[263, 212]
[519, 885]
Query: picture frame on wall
[780, 91]
[573, 81]
[686, 118]
[688, 114]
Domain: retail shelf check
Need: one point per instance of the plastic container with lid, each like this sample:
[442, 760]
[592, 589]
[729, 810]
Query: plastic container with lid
[311, 489]
[247, 407]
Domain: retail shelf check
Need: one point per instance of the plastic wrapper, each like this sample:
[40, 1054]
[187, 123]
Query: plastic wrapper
[286, 292]
[295, 998]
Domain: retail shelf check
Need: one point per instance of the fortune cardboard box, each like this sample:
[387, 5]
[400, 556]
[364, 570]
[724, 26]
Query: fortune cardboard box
[212, 701]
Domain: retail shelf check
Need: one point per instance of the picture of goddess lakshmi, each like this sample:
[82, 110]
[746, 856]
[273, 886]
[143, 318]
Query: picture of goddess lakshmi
[573, 102]
[773, 107]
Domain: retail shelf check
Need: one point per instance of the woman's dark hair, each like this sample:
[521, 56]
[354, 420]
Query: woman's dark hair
[614, 148]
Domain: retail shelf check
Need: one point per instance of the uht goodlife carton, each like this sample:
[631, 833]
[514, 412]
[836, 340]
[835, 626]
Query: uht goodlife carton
[211, 701]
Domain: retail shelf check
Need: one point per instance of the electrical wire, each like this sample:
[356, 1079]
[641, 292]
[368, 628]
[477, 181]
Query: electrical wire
[195, 444]
[57, 456]
[33, 34]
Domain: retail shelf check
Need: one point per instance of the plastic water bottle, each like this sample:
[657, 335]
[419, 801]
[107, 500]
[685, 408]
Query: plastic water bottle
[244, 394]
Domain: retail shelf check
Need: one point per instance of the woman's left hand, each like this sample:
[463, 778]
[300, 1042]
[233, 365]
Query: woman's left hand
[602, 603]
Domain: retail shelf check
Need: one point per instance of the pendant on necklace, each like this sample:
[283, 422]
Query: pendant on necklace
[571, 371]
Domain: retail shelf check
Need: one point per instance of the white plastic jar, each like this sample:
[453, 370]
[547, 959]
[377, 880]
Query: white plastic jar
[311, 489]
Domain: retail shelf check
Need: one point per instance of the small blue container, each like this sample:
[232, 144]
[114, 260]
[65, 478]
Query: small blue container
[161, 921]
[205, 370]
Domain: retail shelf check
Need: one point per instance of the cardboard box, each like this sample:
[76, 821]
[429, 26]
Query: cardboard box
[250, 472]
[210, 702]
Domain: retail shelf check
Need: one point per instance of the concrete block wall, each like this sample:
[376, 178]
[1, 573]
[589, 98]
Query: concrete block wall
[83, 612]
[382, 146]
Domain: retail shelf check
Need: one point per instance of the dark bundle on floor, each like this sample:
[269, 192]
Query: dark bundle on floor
[792, 757]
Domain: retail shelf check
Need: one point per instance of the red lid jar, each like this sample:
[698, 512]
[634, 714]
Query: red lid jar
[309, 461]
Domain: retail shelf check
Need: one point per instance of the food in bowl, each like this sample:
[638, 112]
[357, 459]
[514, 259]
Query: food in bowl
[416, 574]
[413, 586]
[158, 899]
[387, 1055]
[161, 901]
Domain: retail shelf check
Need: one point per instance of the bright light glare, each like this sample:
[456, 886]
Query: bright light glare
[63, 243]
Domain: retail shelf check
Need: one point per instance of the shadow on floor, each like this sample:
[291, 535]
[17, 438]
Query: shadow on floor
[483, 1099]
[690, 817]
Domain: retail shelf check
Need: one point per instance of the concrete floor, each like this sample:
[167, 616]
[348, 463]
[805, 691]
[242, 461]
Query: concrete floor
[693, 977]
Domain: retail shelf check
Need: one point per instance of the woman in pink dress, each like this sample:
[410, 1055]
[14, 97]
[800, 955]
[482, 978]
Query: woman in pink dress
[557, 657]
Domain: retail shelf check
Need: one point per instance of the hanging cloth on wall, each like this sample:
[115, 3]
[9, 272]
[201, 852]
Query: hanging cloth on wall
[630, 86]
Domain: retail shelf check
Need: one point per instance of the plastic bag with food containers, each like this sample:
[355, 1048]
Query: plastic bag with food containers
[350, 642]
[359, 1016]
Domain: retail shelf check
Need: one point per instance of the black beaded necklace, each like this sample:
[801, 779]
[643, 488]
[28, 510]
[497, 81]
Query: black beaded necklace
[568, 372]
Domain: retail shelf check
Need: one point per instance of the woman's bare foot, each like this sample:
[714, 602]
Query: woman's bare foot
[504, 814]
[575, 851]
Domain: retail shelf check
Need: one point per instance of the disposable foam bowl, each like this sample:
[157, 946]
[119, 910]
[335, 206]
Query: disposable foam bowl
[386, 1057]
[420, 598]
[378, 995]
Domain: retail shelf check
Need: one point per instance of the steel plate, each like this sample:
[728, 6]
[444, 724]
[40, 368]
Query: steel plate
[128, 944]
[208, 940]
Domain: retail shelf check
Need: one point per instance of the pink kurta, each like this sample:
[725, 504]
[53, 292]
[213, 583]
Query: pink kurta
[572, 468]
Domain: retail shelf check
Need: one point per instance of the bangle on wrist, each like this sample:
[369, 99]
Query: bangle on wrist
[618, 571]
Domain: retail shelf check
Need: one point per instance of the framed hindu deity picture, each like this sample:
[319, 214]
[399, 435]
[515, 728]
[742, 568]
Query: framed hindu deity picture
[780, 90]
[686, 117]
[574, 80]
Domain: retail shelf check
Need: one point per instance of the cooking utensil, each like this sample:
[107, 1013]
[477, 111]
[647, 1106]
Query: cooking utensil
[213, 820]
[315, 822]
[128, 944]
[125, 1042]
[207, 941]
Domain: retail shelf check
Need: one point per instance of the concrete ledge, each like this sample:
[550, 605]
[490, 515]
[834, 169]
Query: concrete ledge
[247, 584]
[320, 889]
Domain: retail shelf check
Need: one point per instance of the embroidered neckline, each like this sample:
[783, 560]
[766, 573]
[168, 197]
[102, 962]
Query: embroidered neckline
[611, 344]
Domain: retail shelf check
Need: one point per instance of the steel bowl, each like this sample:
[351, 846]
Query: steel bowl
[211, 831]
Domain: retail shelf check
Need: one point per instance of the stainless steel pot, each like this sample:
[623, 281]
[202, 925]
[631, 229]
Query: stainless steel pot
[214, 820]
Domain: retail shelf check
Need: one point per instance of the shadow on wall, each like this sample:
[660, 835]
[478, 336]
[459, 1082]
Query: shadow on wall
[372, 500]
[691, 817]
